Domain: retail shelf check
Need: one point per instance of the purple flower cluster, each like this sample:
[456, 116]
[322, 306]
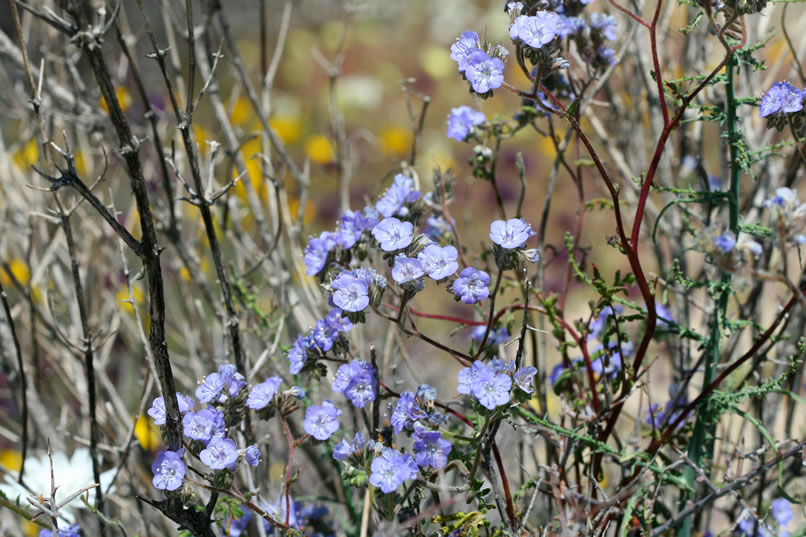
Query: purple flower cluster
[391, 469]
[394, 200]
[157, 410]
[322, 421]
[252, 455]
[461, 122]
[227, 382]
[298, 353]
[484, 72]
[471, 286]
[351, 228]
[489, 387]
[606, 24]
[349, 292]
[169, 470]
[356, 380]
[407, 411]
[496, 337]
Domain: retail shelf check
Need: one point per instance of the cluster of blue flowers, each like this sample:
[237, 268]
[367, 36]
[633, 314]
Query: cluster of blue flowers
[73, 530]
[491, 384]
[207, 428]
[781, 510]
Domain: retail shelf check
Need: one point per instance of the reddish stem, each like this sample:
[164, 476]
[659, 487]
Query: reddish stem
[504, 483]
[291, 447]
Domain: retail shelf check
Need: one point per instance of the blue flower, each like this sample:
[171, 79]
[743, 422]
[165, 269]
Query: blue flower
[344, 449]
[298, 354]
[536, 31]
[252, 455]
[426, 392]
[439, 261]
[468, 375]
[406, 411]
[782, 511]
[598, 325]
[261, 394]
[70, 531]
[725, 242]
[209, 388]
[237, 526]
[401, 192]
[496, 337]
[465, 45]
[324, 335]
[570, 26]
[782, 98]
[391, 470]
[350, 293]
[356, 380]
[483, 72]
[430, 449]
[407, 269]
[510, 234]
[321, 421]
[220, 453]
[555, 373]
[232, 380]
[157, 410]
[664, 314]
[204, 424]
[471, 286]
[316, 252]
[491, 388]
[606, 24]
[525, 377]
[461, 122]
[337, 321]
[392, 234]
[169, 470]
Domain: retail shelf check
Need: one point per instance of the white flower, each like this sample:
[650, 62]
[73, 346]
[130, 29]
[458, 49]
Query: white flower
[70, 475]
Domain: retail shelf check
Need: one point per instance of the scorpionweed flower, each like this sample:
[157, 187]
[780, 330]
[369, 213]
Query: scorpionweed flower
[324, 335]
[350, 293]
[537, 30]
[298, 354]
[204, 424]
[220, 453]
[226, 379]
[484, 72]
[356, 380]
[393, 200]
[598, 325]
[407, 269]
[464, 46]
[510, 234]
[169, 470]
[406, 411]
[322, 421]
[471, 286]
[439, 261]
[725, 242]
[496, 337]
[781, 98]
[252, 455]
[391, 469]
[490, 388]
[233, 381]
[430, 449]
[461, 122]
[71, 531]
[344, 449]
[606, 24]
[261, 394]
[316, 252]
[392, 235]
[337, 321]
[786, 212]
[524, 378]
[157, 410]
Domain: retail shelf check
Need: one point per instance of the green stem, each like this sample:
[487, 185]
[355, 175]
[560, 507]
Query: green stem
[702, 443]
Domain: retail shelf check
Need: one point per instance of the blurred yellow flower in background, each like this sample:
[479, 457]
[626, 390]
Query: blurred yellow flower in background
[147, 434]
[437, 62]
[27, 155]
[138, 295]
[241, 111]
[319, 149]
[396, 141]
[288, 128]
[19, 270]
[11, 459]
[123, 96]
